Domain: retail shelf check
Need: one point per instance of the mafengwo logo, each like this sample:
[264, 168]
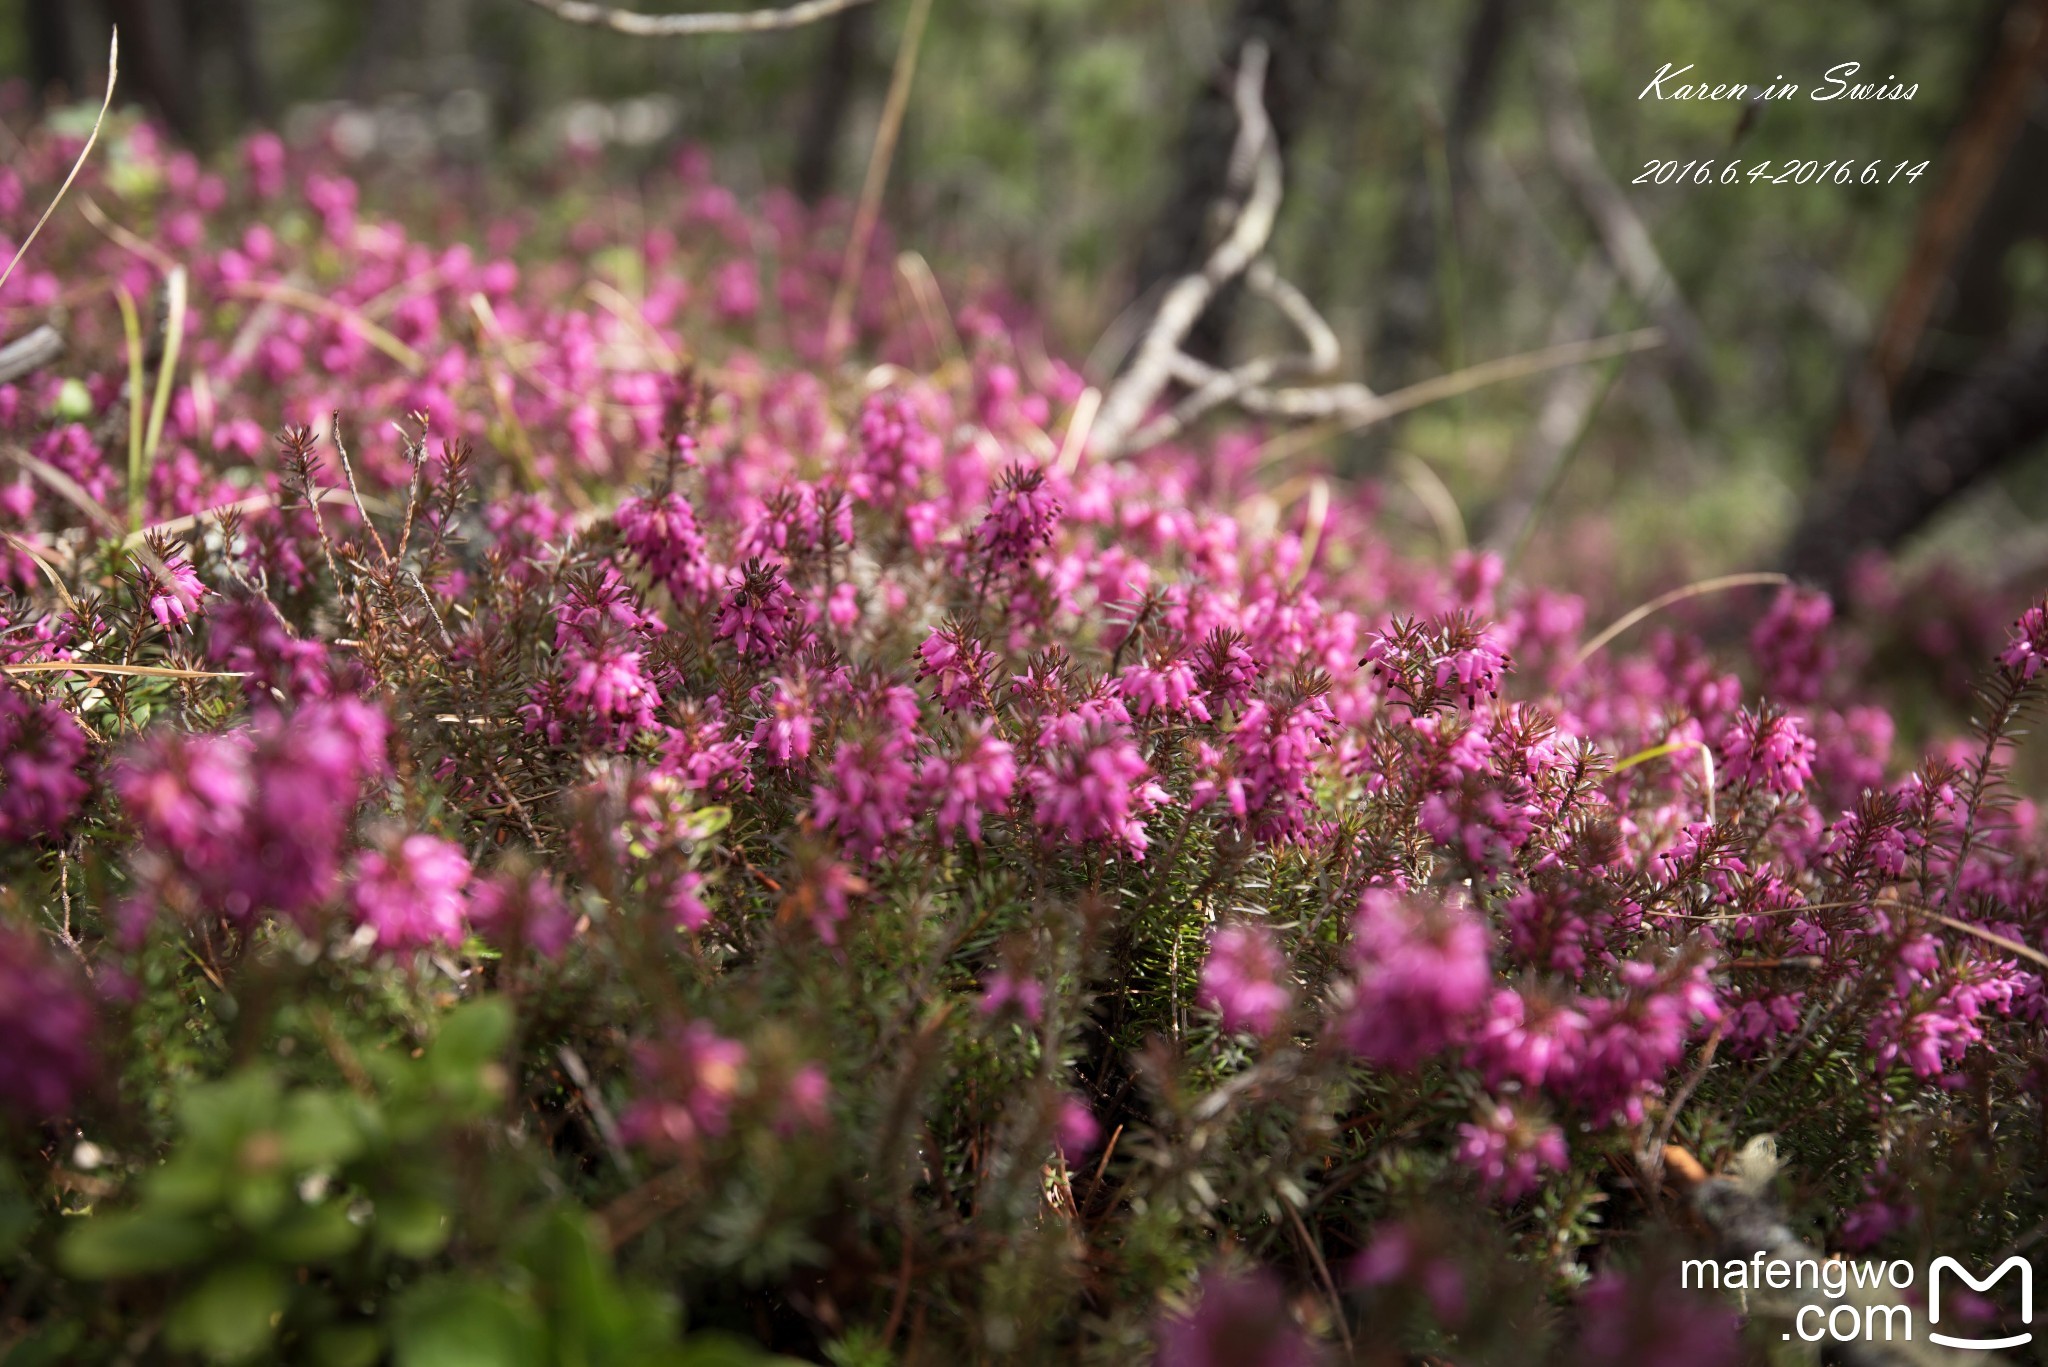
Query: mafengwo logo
[1868, 1306]
[2026, 1271]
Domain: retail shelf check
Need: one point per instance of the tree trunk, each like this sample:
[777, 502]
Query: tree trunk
[1408, 322]
[53, 50]
[833, 84]
[1996, 413]
[1297, 34]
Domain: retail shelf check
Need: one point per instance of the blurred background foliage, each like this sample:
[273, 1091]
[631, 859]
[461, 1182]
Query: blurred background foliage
[1067, 152]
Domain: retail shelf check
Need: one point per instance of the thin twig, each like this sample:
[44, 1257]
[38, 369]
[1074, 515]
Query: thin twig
[879, 161]
[1659, 603]
[693, 25]
[113, 64]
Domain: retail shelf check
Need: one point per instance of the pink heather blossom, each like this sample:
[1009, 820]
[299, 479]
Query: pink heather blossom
[1422, 975]
[246, 636]
[1092, 784]
[661, 532]
[47, 1022]
[1168, 689]
[1242, 979]
[1633, 1041]
[1398, 1255]
[1524, 1041]
[1790, 643]
[412, 896]
[869, 797]
[1447, 658]
[976, 783]
[1508, 1151]
[1021, 517]
[175, 598]
[1226, 671]
[822, 897]
[41, 749]
[685, 905]
[806, 1102]
[893, 450]
[689, 1080]
[506, 909]
[2027, 650]
[758, 611]
[252, 820]
[784, 735]
[961, 668]
[1768, 752]
[1013, 991]
[1075, 1129]
[1238, 1321]
[1628, 1321]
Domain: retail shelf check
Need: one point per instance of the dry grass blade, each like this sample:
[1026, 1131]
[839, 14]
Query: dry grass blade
[142, 671]
[294, 297]
[45, 564]
[1679, 595]
[693, 25]
[879, 161]
[113, 66]
[1363, 409]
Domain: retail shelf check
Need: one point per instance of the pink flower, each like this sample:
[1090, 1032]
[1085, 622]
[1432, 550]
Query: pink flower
[1509, 1151]
[975, 784]
[1423, 974]
[1075, 1129]
[1790, 643]
[1013, 991]
[962, 668]
[662, 535]
[893, 450]
[48, 1025]
[1092, 784]
[529, 910]
[757, 614]
[806, 1102]
[1241, 979]
[173, 599]
[41, 748]
[2027, 649]
[1021, 517]
[1767, 751]
[1239, 1321]
[413, 896]
[688, 1081]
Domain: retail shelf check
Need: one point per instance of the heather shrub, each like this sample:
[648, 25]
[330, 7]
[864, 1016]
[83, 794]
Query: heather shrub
[551, 818]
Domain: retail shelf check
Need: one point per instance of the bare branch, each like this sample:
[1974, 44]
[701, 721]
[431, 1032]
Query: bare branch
[1152, 369]
[1621, 230]
[30, 352]
[693, 25]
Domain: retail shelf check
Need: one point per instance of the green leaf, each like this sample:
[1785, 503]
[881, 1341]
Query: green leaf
[319, 1130]
[466, 1324]
[53, 1346]
[234, 1313]
[312, 1234]
[352, 1345]
[411, 1226]
[474, 1034]
[217, 1115]
[133, 1244]
[189, 1183]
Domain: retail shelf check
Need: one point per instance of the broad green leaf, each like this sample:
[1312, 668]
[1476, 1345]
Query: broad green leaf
[312, 1234]
[411, 1226]
[466, 1324]
[132, 1244]
[234, 1313]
